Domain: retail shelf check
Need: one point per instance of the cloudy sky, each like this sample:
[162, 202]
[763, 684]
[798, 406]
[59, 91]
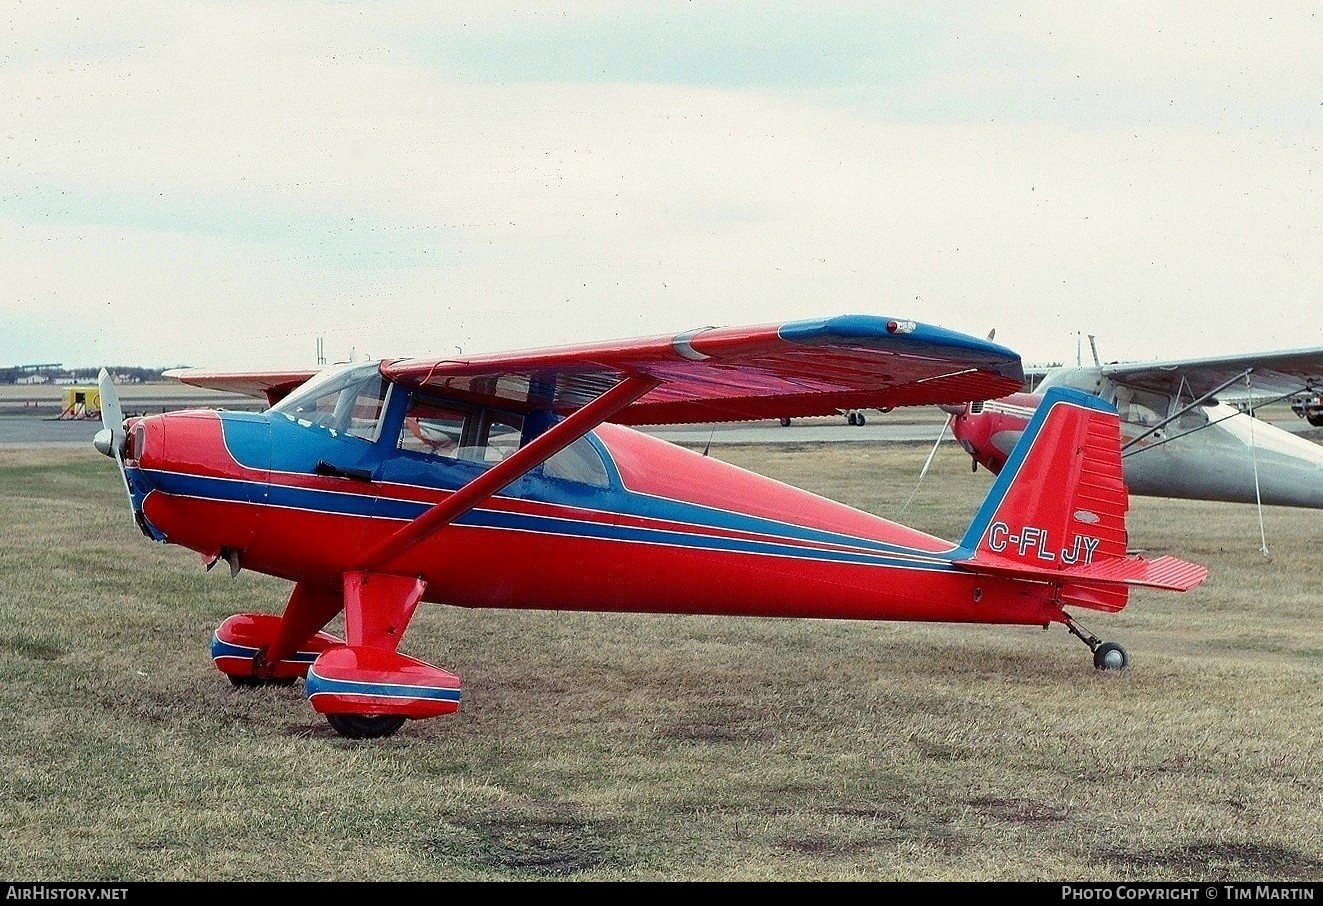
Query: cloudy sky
[221, 184]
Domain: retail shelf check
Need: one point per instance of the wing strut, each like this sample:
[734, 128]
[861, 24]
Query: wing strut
[1254, 453]
[1267, 401]
[539, 450]
[1254, 458]
[924, 471]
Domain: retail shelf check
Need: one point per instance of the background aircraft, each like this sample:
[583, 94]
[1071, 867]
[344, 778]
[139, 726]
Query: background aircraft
[511, 481]
[1181, 437]
[851, 416]
[1309, 406]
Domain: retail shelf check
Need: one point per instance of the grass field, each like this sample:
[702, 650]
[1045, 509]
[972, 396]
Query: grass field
[629, 747]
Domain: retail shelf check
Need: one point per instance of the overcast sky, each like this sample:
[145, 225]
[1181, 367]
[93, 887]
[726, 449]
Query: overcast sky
[221, 184]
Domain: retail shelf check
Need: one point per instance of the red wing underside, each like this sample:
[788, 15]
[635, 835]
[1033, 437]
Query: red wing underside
[272, 386]
[788, 370]
[736, 374]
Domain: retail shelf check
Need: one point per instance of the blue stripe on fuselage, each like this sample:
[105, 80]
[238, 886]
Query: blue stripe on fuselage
[249, 443]
[428, 474]
[780, 540]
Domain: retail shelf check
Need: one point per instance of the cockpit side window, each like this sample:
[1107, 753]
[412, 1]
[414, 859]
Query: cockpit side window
[502, 436]
[579, 462]
[435, 426]
[364, 405]
[1140, 407]
[444, 428]
[1193, 419]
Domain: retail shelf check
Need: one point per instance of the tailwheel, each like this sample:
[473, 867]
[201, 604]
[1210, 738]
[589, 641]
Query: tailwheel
[363, 726]
[1106, 655]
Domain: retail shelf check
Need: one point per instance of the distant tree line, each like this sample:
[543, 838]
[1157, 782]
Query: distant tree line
[123, 373]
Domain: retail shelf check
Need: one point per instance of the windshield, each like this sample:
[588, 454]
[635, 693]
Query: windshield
[345, 398]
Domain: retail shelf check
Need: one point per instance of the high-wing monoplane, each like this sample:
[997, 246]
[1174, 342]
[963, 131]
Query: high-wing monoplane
[515, 481]
[1187, 425]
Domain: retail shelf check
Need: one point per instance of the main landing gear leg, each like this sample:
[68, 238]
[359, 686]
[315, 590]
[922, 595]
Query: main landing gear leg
[266, 650]
[309, 609]
[1106, 655]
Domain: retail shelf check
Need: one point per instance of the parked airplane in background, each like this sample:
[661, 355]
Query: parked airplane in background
[852, 417]
[510, 481]
[1182, 436]
[1309, 406]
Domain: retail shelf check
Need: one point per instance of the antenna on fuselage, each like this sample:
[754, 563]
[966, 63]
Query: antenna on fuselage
[1094, 346]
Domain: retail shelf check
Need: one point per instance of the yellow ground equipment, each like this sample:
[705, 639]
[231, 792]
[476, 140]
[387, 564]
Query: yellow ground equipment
[81, 402]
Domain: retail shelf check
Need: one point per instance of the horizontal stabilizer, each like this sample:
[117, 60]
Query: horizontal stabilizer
[1166, 572]
[1173, 573]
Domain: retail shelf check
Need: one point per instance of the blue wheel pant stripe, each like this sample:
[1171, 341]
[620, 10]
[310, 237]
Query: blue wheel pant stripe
[320, 685]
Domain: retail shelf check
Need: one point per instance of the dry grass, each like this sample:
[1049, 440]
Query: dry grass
[634, 747]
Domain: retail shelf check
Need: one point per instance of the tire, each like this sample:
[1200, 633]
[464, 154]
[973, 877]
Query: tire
[1315, 419]
[785, 423]
[362, 726]
[1110, 656]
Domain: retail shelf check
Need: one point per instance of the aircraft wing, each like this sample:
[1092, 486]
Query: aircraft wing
[1271, 374]
[272, 386]
[794, 369]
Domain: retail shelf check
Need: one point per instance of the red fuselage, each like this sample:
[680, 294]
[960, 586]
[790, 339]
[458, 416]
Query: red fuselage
[664, 530]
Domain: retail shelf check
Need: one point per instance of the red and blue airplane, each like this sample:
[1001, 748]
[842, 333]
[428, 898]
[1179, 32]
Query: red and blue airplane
[515, 480]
